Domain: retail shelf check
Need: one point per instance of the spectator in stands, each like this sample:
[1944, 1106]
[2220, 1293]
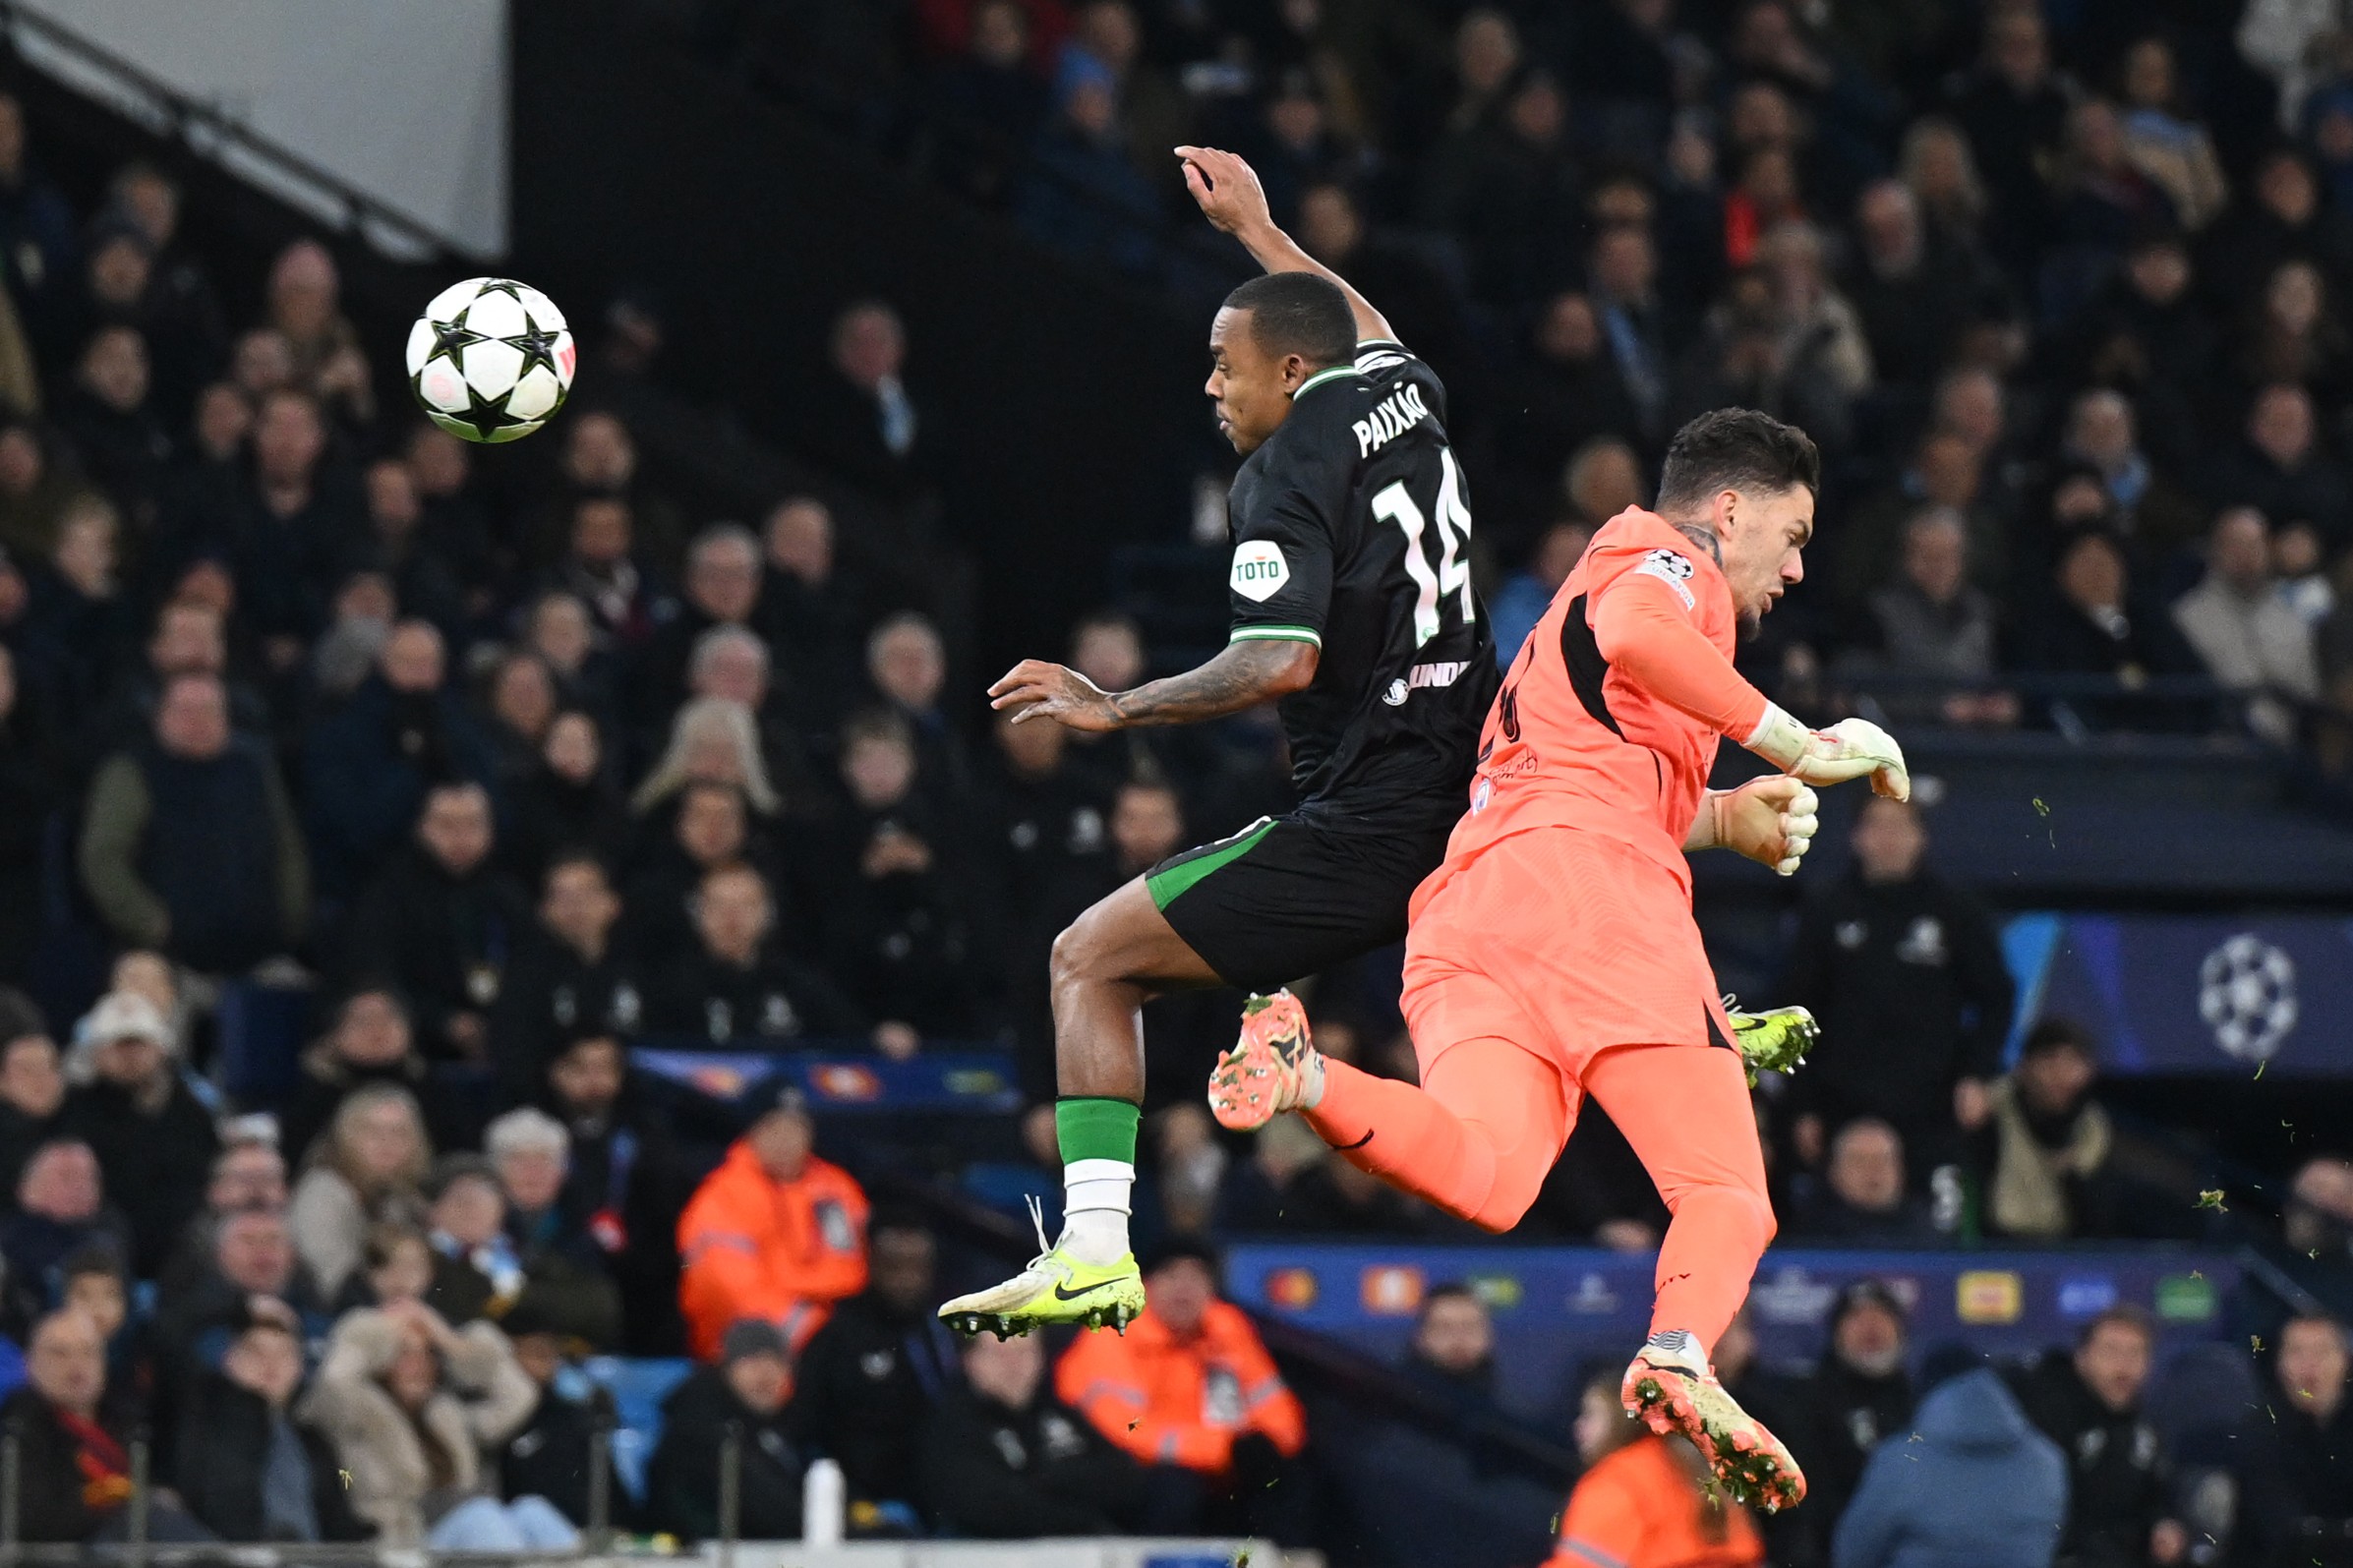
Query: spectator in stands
[253, 1259]
[1452, 1350]
[2047, 1147]
[1082, 198]
[61, 1209]
[734, 663]
[2300, 1482]
[2120, 1495]
[2282, 469]
[249, 1173]
[1191, 1385]
[734, 988]
[475, 1272]
[2246, 634]
[722, 589]
[108, 417]
[1644, 1500]
[2316, 1233]
[810, 609]
[1040, 819]
[305, 307]
[410, 1404]
[518, 701]
[551, 1454]
[154, 1142]
[706, 826]
[1571, 392]
[1857, 1395]
[712, 740]
[367, 768]
[295, 519]
[190, 845]
[563, 1270]
[1859, 1199]
[566, 803]
[2098, 622]
[31, 1096]
[907, 664]
[368, 1041]
[1980, 1486]
[600, 569]
[442, 922]
[1527, 594]
[775, 1234]
[366, 1167]
[567, 976]
[1931, 624]
[865, 423]
[1894, 951]
[188, 639]
[559, 628]
[599, 458]
[897, 932]
[1003, 1459]
[248, 1469]
[74, 1455]
[869, 1381]
[35, 488]
[626, 1179]
[748, 1390]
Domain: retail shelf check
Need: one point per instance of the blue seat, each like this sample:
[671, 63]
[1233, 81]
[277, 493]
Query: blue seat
[638, 1387]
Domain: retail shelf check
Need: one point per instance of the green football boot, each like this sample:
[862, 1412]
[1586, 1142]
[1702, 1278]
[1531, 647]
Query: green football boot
[1055, 1288]
[1772, 1041]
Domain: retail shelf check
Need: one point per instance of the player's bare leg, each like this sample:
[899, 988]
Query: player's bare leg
[1114, 958]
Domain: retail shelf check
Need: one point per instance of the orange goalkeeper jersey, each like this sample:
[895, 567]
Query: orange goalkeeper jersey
[1608, 719]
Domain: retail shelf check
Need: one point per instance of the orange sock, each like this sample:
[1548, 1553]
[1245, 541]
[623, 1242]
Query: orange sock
[1477, 1141]
[1685, 1109]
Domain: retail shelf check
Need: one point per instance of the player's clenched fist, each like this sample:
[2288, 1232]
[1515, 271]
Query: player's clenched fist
[1852, 748]
[1770, 819]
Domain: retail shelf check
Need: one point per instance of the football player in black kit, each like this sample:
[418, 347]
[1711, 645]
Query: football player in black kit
[1353, 609]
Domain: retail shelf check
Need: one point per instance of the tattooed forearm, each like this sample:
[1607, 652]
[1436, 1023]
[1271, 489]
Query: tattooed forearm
[1247, 674]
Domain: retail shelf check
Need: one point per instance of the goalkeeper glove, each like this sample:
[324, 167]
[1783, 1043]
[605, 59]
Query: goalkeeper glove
[1770, 820]
[1848, 749]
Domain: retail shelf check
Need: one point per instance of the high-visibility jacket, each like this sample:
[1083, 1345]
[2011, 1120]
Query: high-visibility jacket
[1182, 1401]
[1641, 1507]
[754, 1246]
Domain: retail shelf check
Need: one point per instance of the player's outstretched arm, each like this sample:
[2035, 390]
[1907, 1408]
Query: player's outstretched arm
[1249, 673]
[1231, 198]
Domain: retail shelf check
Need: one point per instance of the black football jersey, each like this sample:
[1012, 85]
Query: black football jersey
[1351, 530]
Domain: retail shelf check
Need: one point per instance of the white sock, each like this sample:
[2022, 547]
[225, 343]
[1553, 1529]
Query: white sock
[1677, 1347]
[1094, 1209]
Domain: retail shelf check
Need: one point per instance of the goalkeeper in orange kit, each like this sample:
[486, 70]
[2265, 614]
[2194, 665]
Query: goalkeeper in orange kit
[1554, 956]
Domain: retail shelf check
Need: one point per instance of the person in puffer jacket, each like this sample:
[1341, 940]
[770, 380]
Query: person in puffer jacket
[1970, 1483]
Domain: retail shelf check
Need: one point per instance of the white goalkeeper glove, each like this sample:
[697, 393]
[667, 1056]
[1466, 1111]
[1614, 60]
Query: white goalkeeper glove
[1770, 820]
[1848, 749]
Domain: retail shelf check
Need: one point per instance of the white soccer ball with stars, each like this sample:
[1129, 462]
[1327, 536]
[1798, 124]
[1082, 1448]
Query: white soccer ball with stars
[491, 359]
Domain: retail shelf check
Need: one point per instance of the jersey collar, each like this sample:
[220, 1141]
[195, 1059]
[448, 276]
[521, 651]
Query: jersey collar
[1331, 374]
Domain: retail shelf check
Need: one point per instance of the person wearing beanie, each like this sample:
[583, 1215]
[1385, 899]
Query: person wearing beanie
[1856, 1396]
[153, 1139]
[749, 1386]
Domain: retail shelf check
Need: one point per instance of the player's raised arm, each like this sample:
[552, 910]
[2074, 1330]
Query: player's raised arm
[1231, 198]
[1250, 671]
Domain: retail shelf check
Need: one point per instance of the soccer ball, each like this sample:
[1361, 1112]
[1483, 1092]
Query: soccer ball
[491, 359]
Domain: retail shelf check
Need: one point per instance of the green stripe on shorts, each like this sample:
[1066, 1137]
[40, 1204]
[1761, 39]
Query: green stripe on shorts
[1171, 882]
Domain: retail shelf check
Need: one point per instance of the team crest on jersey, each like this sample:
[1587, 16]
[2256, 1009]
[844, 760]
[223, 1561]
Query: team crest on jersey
[1259, 571]
[1671, 569]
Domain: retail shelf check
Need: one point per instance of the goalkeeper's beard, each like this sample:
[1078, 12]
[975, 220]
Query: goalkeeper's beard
[1752, 624]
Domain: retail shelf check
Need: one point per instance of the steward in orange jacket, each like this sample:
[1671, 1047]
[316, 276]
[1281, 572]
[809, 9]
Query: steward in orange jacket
[1642, 1503]
[1189, 1378]
[774, 1233]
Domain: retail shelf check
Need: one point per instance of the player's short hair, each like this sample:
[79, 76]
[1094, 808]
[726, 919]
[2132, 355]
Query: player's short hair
[1735, 448]
[1298, 312]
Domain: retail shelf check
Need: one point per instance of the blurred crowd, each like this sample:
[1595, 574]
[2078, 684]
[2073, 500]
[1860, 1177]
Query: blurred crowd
[480, 769]
[2060, 290]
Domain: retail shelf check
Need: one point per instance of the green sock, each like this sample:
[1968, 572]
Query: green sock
[1092, 1126]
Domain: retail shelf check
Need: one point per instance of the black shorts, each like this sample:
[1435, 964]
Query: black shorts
[1290, 897]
